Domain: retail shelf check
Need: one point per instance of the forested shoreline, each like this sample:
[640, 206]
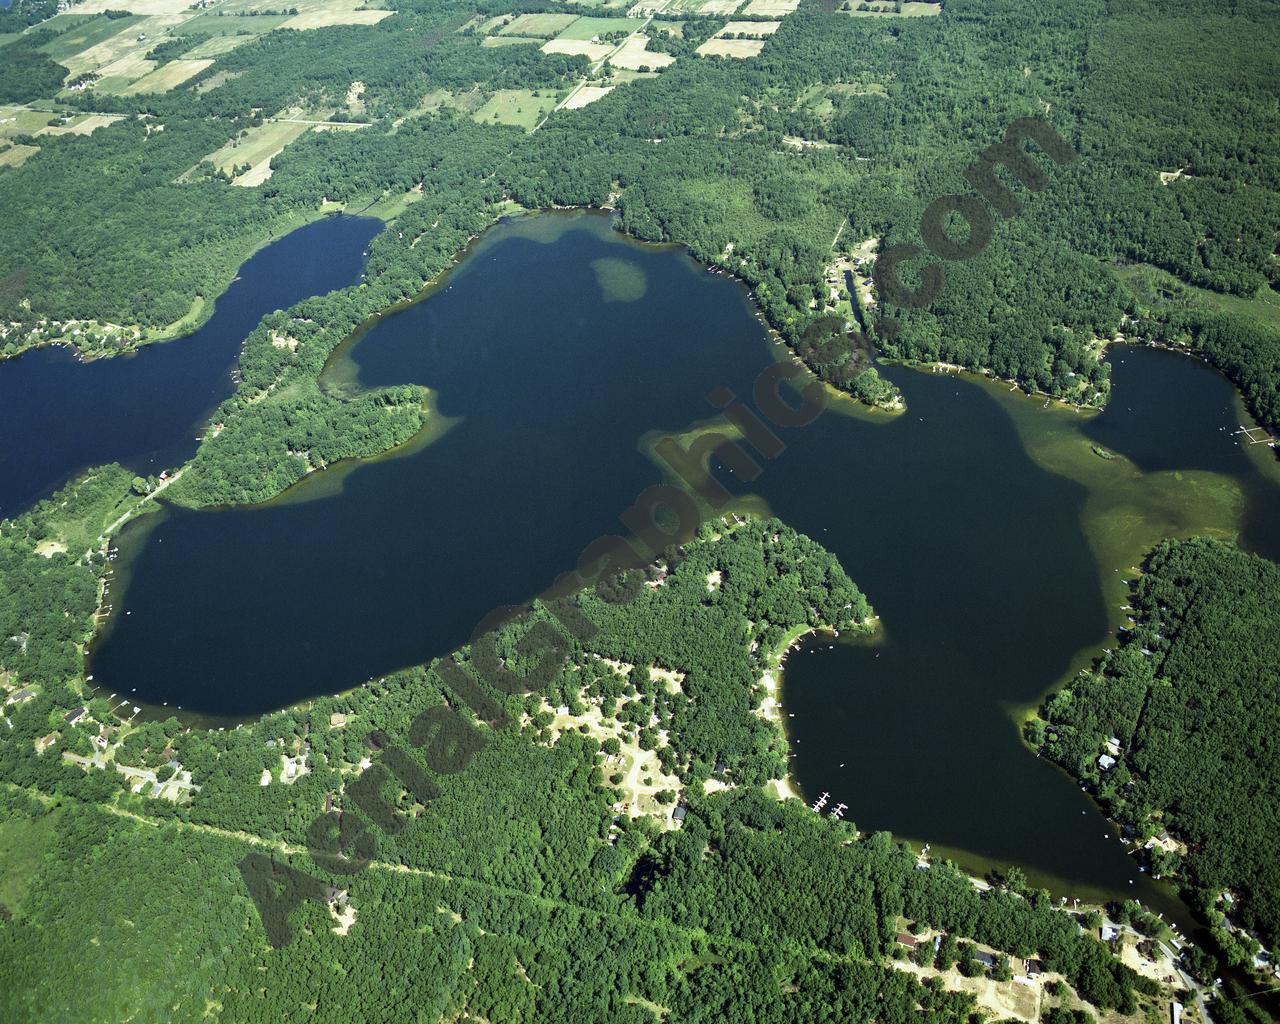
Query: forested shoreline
[1173, 730]
[525, 854]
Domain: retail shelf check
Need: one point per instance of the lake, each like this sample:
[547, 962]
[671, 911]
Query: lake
[990, 537]
[59, 415]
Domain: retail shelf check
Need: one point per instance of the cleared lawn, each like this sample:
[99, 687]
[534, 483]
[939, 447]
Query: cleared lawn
[590, 28]
[17, 155]
[750, 28]
[165, 78]
[578, 47]
[731, 47]
[519, 107]
[540, 26]
[635, 55]
[771, 8]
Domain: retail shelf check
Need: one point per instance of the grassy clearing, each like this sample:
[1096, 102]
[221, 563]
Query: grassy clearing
[635, 55]
[578, 48]
[541, 26]
[821, 99]
[1142, 279]
[23, 842]
[592, 28]
[518, 107]
[168, 77]
[16, 155]
[719, 7]
[731, 47]
[467, 102]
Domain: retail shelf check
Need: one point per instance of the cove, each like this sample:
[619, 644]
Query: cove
[983, 527]
[59, 415]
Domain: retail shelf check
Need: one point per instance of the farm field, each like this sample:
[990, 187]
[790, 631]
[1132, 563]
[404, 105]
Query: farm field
[216, 46]
[635, 54]
[17, 154]
[716, 47]
[543, 26]
[492, 41]
[81, 124]
[586, 95]
[214, 23]
[578, 47]
[519, 107]
[257, 146]
[592, 28]
[771, 8]
[328, 15]
[750, 28]
[168, 77]
[718, 7]
[82, 32]
[17, 120]
[888, 10]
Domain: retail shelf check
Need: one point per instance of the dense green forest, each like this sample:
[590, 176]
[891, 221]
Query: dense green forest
[519, 868]
[1191, 697]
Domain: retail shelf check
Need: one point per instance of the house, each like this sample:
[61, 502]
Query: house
[337, 720]
[71, 717]
[986, 959]
[1109, 932]
[906, 939]
[1113, 746]
[1106, 762]
[679, 813]
[20, 696]
[1034, 968]
[45, 742]
[1175, 1013]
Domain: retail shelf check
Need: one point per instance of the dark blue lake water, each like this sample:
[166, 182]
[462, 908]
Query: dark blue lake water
[59, 415]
